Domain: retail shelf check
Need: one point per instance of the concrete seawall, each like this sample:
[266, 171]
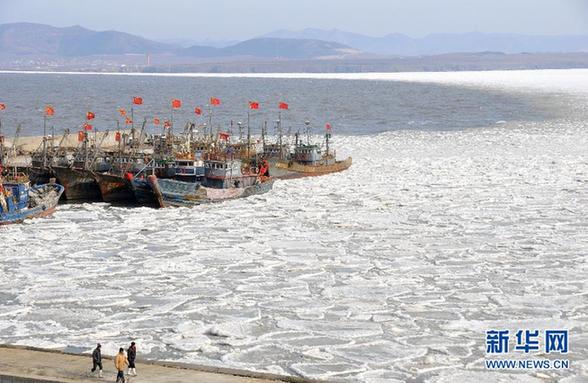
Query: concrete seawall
[34, 365]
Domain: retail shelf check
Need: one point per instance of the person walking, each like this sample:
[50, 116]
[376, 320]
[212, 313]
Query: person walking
[132, 354]
[120, 363]
[97, 360]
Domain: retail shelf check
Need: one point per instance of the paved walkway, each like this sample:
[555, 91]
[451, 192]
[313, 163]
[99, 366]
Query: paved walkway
[46, 365]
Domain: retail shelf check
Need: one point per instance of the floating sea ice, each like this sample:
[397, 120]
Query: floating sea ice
[382, 376]
[456, 376]
[187, 343]
[324, 371]
[339, 329]
[264, 355]
[379, 352]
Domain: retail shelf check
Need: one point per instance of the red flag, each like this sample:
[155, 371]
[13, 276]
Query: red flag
[122, 111]
[87, 126]
[2, 106]
[138, 100]
[167, 124]
[156, 121]
[117, 136]
[90, 116]
[253, 105]
[223, 136]
[176, 104]
[81, 136]
[215, 101]
[128, 121]
[328, 126]
[49, 111]
[198, 111]
[283, 105]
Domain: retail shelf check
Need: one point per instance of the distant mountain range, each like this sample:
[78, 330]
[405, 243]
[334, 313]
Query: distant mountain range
[399, 44]
[76, 41]
[275, 48]
[39, 39]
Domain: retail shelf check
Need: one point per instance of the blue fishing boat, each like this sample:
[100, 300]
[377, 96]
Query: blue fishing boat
[20, 201]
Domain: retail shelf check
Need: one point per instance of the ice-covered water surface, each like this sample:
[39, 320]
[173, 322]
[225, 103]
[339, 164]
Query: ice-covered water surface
[391, 270]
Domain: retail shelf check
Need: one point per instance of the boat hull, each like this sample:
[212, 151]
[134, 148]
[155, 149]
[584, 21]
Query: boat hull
[114, 188]
[172, 193]
[43, 201]
[79, 184]
[144, 193]
[290, 170]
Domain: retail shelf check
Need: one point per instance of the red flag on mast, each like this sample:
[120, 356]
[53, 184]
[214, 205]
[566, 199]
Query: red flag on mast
[283, 105]
[198, 111]
[81, 135]
[215, 101]
[176, 104]
[90, 116]
[156, 121]
[253, 105]
[138, 100]
[328, 126]
[87, 126]
[122, 112]
[117, 136]
[49, 111]
[2, 106]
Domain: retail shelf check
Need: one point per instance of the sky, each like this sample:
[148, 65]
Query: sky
[243, 19]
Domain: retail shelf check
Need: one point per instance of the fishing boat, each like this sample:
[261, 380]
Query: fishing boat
[307, 159]
[115, 187]
[20, 201]
[77, 175]
[224, 179]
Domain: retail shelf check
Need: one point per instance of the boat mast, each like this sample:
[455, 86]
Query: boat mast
[1, 146]
[248, 135]
[44, 141]
[210, 121]
[263, 132]
[16, 137]
[52, 143]
[280, 133]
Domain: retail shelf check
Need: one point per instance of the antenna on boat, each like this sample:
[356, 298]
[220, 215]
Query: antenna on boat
[307, 131]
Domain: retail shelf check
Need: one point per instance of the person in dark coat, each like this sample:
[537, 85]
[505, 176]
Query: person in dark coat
[97, 360]
[131, 355]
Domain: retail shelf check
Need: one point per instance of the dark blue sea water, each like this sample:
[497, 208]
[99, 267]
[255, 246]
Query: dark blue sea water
[351, 106]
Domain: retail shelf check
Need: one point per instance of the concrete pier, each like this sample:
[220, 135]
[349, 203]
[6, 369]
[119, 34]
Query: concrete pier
[33, 365]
